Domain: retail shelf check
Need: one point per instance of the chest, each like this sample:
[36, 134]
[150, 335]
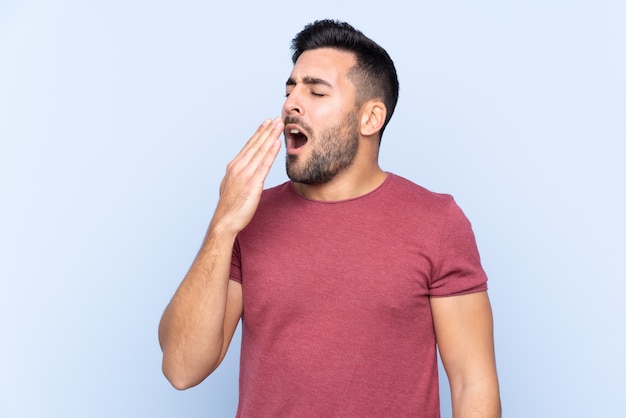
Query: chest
[372, 267]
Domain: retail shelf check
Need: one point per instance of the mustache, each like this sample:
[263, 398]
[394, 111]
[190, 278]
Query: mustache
[292, 119]
[296, 121]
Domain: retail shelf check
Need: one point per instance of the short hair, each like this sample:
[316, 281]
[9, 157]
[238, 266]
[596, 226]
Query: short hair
[374, 73]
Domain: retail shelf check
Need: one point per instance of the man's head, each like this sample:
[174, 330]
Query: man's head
[320, 116]
[339, 97]
[374, 74]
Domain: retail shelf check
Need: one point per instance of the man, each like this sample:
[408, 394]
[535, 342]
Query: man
[345, 278]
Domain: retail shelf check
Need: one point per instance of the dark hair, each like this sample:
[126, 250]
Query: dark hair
[374, 74]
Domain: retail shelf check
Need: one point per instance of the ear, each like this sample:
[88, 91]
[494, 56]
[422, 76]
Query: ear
[373, 114]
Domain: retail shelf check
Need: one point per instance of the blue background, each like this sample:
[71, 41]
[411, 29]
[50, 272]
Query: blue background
[117, 119]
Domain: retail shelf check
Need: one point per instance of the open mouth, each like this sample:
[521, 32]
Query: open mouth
[295, 138]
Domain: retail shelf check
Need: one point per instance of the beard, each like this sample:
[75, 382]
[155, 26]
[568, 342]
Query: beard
[332, 152]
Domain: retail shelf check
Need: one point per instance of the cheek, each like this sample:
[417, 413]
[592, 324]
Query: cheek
[326, 116]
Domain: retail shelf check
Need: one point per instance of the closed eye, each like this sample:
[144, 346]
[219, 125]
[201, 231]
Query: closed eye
[313, 93]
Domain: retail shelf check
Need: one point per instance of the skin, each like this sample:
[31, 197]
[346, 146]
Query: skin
[198, 324]
[319, 94]
[464, 331]
[333, 150]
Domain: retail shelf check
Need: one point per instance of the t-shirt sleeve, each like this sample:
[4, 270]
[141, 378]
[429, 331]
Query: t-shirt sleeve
[458, 270]
[235, 263]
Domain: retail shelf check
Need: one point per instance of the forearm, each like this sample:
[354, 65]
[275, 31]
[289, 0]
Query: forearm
[191, 332]
[199, 322]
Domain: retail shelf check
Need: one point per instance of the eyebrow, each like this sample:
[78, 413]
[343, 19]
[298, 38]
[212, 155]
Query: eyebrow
[309, 80]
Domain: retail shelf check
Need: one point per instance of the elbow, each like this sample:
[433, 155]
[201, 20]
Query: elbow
[178, 378]
[185, 368]
[182, 375]
[181, 383]
[480, 398]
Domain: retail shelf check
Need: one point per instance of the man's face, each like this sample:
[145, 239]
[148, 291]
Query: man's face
[320, 115]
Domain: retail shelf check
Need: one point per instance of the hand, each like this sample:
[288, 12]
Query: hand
[241, 187]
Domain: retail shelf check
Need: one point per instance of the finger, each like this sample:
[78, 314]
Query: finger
[262, 142]
[272, 147]
[265, 155]
[258, 137]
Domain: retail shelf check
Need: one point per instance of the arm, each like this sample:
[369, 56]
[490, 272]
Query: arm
[464, 330]
[200, 320]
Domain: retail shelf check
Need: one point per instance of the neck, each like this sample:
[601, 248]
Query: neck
[349, 184]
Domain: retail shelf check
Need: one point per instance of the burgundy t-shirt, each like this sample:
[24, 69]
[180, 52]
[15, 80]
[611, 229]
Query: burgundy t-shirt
[336, 317]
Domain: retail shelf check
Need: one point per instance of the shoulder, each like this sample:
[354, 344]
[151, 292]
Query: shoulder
[410, 193]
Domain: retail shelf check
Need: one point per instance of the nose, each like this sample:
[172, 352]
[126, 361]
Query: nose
[292, 105]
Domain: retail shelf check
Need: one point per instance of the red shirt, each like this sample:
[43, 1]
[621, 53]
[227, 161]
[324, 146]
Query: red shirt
[336, 317]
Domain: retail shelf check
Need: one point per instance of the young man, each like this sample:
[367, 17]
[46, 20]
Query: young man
[345, 278]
